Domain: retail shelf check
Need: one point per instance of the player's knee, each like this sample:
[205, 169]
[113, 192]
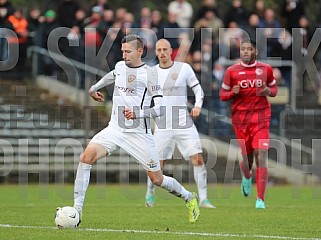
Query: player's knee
[197, 159]
[87, 158]
[157, 181]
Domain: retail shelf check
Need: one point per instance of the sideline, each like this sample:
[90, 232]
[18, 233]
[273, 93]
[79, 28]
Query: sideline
[163, 232]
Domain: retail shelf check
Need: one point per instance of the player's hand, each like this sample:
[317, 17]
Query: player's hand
[129, 113]
[236, 89]
[97, 96]
[195, 112]
[265, 90]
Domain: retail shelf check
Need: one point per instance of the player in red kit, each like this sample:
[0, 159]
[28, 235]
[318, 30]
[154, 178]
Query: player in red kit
[248, 84]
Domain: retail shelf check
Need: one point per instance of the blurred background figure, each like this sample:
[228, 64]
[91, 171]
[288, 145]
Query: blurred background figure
[183, 11]
[236, 13]
[20, 27]
[6, 10]
[66, 13]
[218, 129]
[292, 11]
[268, 34]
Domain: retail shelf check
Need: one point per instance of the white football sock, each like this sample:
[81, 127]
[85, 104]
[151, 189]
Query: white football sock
[81, 185]
[200, 176]
[150, 187]
[175, 188]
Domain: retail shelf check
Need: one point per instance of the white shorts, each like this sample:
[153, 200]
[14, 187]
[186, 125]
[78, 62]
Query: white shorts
[187, 140]
[139, 145]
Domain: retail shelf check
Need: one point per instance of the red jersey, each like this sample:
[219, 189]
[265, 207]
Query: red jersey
[251, 78]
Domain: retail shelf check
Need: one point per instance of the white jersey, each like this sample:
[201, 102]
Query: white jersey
[174, 82]
[134, 88]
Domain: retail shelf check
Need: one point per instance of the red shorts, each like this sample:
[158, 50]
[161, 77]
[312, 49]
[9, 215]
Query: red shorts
[253, 134]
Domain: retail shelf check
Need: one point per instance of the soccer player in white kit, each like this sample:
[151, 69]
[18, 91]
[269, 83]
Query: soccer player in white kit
[136, 85]
[176, 126]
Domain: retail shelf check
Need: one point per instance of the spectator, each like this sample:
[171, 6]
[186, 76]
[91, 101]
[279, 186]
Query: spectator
[6, 9]
[120, 14]
[214, 22]
[259, 8]
[145, 18]
[251, 27]
[206, 6]
[156, 23]
[34, 20]
[80, 17]
[127, 23]
[237, 13]
[218, 128]
[292, 11]
[283, 49]
[183, 11]
[171, 32]
[106, 23]
[270, 29]
[230, 41]
[20, 27]
[50, 67]
[66, 13]
[92, 37]
[305, 33]
[103, 4]
[201, 32]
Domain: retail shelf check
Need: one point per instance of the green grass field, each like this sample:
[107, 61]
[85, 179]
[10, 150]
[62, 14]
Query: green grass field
[118, 212]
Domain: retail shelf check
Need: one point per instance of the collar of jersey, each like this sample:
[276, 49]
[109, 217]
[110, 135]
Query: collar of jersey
[138, 66]
[167, 67]
[248, 65]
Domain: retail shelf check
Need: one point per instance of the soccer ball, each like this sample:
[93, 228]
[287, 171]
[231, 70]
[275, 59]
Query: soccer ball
[67, 217]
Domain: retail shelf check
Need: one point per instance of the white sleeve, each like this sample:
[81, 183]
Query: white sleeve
[199, 95]
[195, 85]
[108, 79]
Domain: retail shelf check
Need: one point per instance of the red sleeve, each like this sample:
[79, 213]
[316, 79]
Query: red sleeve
[273, 90]
[226, 90]
[271, 82]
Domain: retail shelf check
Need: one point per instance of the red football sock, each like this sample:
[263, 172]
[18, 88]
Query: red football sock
[246, 172]
[261, 180]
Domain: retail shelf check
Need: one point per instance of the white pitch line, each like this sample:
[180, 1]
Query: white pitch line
[164, 232]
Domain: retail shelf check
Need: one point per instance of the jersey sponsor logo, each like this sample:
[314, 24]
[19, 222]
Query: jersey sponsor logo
[156, 87]
[125, 89]
[131, 78]
[258, 71]
[251, 83]
[174, 76]
[152, 164]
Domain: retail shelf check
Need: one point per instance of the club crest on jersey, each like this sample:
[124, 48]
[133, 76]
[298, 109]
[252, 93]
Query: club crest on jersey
[152, 164]
[258, 71]
[174, 76]
[131, 77]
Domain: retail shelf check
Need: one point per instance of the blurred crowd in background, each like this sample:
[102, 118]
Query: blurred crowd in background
[213, 37]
